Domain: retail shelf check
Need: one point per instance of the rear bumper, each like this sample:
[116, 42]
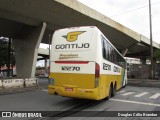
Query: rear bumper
[76, 93]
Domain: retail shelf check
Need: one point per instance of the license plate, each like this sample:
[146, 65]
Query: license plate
[69, 89]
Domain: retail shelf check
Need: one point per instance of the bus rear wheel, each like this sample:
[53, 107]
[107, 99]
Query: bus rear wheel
[114, 90]
[110, 92]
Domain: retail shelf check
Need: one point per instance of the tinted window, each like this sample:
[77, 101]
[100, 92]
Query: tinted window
[110, 54]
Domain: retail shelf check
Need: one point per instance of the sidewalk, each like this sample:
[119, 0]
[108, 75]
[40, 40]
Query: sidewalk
[19, 90]
[144, 83]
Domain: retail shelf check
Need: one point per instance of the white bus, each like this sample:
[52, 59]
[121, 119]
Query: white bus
[84, 64]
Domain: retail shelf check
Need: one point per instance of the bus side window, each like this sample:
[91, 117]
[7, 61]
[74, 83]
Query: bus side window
[104, 53]
[103, 48]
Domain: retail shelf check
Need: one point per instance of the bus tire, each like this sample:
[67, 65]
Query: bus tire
[114, 90]
[110, 92]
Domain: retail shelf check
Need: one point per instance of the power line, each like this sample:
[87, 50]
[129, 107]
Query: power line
[133, 10]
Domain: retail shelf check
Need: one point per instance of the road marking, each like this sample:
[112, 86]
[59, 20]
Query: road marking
[155, 96]
[141, 94]
[128, 93]
[44, 90]
[135, 102]
[122, 91]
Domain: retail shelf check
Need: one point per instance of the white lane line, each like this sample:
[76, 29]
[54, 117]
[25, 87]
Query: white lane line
[135, 102]
[44, 90]
[122, 91]
[155, 96]
[141, 94]
[128, 93]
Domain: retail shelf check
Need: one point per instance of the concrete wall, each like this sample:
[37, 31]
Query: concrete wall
[10, 84]
[13, 83]
[143, 71]
[30, 82]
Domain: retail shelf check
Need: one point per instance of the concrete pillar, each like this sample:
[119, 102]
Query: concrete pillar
[26, 51]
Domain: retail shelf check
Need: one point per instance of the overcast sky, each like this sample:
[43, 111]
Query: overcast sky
[133, 14]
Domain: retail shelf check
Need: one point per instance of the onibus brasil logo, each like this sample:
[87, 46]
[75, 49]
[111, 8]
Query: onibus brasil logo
[73, 36]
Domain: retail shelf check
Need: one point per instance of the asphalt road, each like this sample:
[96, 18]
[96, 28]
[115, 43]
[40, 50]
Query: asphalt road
[128, 99]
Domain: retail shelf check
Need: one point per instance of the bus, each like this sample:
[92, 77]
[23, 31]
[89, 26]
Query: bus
[84, 64]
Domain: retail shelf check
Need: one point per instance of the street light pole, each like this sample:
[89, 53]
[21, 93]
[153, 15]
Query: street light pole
[9, 58]
[150, 22]
[49, 52]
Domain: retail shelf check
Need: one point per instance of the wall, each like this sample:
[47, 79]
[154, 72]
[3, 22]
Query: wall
[9, 84]
[143, 71]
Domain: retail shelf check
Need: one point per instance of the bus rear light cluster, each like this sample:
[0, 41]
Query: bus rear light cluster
[97, 70]
[97, 75]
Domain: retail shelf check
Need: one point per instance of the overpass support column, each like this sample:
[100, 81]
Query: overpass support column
[26, 50]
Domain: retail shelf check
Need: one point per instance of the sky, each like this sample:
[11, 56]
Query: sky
[133, 14]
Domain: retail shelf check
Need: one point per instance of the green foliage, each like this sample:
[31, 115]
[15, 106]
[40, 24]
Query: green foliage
[157, 54]
[4, 53]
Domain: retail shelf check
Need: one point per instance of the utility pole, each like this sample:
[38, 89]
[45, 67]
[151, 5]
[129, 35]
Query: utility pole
[12, 56]
[49, 53]
[9, 57]
[150, 22]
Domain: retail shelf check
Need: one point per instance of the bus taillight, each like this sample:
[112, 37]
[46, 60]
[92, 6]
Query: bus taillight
[97, 72]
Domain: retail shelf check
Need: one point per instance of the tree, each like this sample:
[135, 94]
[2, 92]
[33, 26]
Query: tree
[157, 54]
[4, 53]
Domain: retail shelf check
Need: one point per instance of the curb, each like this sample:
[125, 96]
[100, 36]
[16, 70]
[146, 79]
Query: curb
[144, 83]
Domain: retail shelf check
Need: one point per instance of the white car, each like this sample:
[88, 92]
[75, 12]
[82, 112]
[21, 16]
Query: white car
[45, 75]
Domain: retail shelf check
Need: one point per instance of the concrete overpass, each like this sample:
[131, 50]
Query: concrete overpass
[29, 22]
[44, 53]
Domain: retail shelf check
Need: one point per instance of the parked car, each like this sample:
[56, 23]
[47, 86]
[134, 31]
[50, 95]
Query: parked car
[45, 75]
